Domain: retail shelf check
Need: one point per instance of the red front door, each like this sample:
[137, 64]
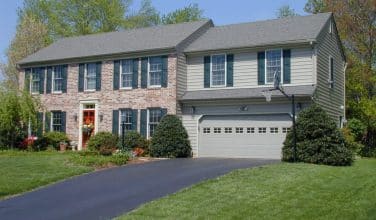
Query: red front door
[88, 126]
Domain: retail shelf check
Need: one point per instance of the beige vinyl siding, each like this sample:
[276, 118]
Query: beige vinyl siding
[331, 99]
[245, 69]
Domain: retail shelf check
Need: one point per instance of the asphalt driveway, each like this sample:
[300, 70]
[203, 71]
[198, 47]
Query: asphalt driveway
[109, 193]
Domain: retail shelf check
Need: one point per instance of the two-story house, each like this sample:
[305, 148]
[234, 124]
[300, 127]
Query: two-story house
[213, 77]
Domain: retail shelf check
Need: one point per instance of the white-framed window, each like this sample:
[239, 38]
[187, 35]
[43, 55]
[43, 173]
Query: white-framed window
[126, 76]
[206, 130]
[56, 121]
[217, 130]
[57, 79]
[218, 70]
[228, 130]
[331, 72]
[274, 130]
[35, 80]
[250, 130]
[126, 117]
[90, 77]
[154, 117]
[261, 130]
[239, 130]
[273, 64]
[285, 130]
[155, 71]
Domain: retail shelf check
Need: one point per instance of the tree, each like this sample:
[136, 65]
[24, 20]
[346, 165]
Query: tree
[318, 140]
[286, 11]
[31, 35]
[18, 110]
[146, 16]
[189, 13]
[315, 6]
[67, 18]
[170, 139]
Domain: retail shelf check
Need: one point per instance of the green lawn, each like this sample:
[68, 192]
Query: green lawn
[22, 171]
[280, 191]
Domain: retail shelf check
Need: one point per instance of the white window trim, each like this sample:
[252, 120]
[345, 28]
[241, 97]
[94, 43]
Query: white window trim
[52, 118]
[211, 72]
[266, 67]
[53, 82]
[148, 78]
[85, 78]
[330, 80]
[121, 76]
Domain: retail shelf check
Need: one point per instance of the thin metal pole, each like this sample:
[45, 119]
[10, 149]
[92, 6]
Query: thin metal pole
[293, 124]
[123, 135]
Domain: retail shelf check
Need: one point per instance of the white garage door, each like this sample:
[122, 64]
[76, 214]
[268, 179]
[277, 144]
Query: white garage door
[243, 136]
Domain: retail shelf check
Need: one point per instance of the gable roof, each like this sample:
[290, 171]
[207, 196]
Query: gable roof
[297, 29]
[127, 41]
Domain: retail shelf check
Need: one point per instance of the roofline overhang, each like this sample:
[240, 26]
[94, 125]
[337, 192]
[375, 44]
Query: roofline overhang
[303, 42]
[101, 57]
[256, 99]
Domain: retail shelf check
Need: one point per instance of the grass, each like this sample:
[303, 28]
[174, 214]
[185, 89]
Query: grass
[280, 191]
[22, 171]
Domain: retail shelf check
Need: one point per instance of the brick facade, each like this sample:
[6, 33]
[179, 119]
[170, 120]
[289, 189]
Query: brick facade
[109, 99]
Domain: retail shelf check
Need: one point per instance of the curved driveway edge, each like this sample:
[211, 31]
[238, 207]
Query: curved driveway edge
[108, 193]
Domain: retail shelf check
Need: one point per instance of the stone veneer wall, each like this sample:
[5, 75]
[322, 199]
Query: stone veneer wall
[109, 99]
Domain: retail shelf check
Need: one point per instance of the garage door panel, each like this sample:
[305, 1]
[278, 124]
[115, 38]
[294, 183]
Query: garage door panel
[250, 145]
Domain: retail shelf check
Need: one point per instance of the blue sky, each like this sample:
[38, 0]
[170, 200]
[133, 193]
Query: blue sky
[221, 11]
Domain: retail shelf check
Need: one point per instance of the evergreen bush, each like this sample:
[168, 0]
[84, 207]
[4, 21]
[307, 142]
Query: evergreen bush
[170, 139]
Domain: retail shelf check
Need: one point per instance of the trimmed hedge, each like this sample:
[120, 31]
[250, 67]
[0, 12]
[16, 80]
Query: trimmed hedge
[319, 141]
[103, 142]
[170, 139]
[133, 139]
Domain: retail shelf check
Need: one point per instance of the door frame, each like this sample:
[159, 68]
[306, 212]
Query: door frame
[95, 102]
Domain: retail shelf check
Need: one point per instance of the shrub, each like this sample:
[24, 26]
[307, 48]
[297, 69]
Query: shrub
[357, 128]
[170, 139]
[133, 139]
[50, 139]
[103, 142]
[318, 140]
[355, 146]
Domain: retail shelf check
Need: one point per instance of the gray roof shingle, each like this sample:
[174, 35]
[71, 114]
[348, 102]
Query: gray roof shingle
[277, 31]
[219, 94]
[142, 39]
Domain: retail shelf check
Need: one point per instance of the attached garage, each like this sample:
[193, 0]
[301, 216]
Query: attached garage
[243, 136]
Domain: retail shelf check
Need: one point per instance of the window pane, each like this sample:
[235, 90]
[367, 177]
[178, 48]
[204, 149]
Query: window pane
[273, 64]
[57, 79]
[56, 121]
[155, 116]
[126, 116]
[155, 71]
[35, 80]
[218, 70]
[91, 76]
[127, 73]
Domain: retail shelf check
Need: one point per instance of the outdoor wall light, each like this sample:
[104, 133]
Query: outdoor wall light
[193, 109]
[75, 117]
[101, 117]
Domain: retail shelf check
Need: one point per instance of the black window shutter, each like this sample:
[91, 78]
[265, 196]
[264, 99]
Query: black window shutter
[135, 74]
[39, 124]
[115, 122]
[331, 72]
[261, 68]
[164, 77]
[65, 78]
[286, 66]
[230, 70]
[98, 76]
[143, 122]
[27, 80]
[63, 121]
[49, 80]
[81, 77]
[41, 79]
[116, 74]
[134, 119]
[144, 72]
[47, 122]
[206, 71]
